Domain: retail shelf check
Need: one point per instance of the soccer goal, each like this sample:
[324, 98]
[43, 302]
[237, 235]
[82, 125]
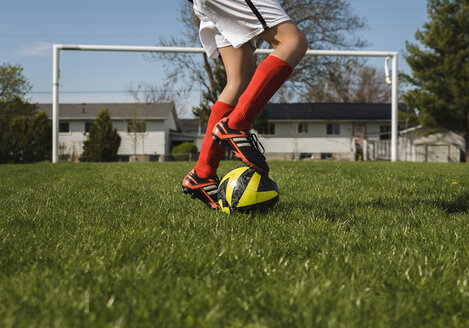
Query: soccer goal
[57, 48]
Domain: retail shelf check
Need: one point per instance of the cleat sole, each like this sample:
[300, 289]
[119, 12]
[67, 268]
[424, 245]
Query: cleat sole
[197, 194]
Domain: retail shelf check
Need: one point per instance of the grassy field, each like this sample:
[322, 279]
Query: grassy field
[349, 245]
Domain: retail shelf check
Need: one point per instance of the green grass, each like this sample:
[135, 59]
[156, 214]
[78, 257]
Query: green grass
[349, 245]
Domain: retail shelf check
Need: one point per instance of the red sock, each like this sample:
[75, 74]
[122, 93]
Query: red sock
[211, 152]
[269, 77]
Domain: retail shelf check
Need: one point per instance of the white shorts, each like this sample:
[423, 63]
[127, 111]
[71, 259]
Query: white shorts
[226, 23]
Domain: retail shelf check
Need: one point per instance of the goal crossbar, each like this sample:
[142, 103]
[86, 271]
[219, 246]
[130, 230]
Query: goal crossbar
[57, 48]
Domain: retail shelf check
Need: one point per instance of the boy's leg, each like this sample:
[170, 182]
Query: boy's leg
[239, 67]
[210, 152]
[289, 43]
[290, 46]
[202, 182]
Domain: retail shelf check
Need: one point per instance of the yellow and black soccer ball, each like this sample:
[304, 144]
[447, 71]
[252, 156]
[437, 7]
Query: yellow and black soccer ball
[245, 190]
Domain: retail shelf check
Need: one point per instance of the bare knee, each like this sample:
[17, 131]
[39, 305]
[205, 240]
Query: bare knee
[301, 44]
[294, 47]
[289, 42]
[236, 88]
[239, 66]
[233, 90]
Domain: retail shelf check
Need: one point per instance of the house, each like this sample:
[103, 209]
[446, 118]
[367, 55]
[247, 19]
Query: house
[316, 131]
[329, 131]
[158, 129]
[437, 147]
[324, 130]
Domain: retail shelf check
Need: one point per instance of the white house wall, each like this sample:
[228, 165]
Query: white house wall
[169, 125]
[71, 143]
[199, 140]
[287, 139]
[152, 142]
[306, 145]
[373, 130]
[318, 129]
[148, 143]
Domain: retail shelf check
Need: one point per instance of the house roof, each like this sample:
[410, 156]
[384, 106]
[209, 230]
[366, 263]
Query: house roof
[116, 110]
[329, 111]
[190, 126]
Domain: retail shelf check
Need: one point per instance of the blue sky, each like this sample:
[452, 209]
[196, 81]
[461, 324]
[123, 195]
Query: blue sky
[28, 28]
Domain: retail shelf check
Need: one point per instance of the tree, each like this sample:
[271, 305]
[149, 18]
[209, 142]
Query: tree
[40, 132]
[147, 93]
[357, 84]
[440, 69]
[13, 103]
[13, 84]
[17, 141]
[150, 93]
[327, 24]
[103, 141]
[8, 112]
[28, 140]
[137, 127]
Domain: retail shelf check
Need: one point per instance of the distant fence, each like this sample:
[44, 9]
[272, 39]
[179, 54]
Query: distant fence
[229, 156]
[159, 157]
[378, 150]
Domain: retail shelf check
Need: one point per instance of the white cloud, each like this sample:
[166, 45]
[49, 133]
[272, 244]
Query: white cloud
[38, 49]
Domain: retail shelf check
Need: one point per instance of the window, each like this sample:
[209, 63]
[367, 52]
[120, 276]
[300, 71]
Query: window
[137, 127]
[268, 129]
[303, 128]
[88, 126]
[333, 129]
[64, 127]
[385, 132]
[271, 128]
[326, 156]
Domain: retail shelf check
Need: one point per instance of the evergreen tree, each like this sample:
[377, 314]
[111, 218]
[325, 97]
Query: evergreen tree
[17, 141]
[40, 135]
[103, 141]
[440, 69]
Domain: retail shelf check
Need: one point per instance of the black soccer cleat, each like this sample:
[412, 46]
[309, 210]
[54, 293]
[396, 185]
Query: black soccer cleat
[244, 145]
[203, 189]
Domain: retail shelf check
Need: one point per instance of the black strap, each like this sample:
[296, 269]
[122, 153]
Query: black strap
[257, 13]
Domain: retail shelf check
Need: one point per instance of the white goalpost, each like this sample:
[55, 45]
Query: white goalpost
[57, 48]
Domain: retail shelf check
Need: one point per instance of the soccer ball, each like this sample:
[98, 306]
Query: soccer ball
[245, 190]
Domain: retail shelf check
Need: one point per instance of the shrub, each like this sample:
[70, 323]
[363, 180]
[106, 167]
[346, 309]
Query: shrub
[181, 152]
